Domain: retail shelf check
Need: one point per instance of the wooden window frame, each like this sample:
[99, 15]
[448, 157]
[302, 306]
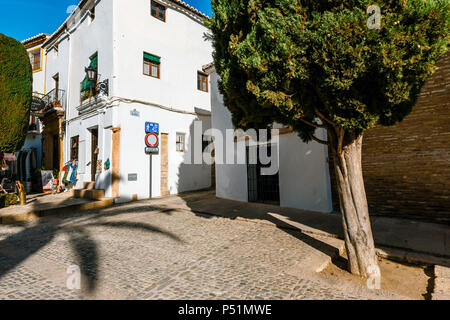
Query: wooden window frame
[40, 59]
[199, 78]
[158, 7]
[150, 64]
[180, 134]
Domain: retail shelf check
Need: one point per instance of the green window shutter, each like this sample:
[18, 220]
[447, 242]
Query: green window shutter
[152, 58]
[94, 62]
[86, 84]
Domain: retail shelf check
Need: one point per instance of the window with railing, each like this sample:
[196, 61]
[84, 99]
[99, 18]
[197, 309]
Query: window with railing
[55, 99]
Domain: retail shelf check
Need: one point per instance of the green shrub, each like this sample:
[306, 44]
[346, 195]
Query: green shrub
[16, 81]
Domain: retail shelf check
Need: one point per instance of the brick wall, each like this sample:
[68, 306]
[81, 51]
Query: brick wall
[407, 167]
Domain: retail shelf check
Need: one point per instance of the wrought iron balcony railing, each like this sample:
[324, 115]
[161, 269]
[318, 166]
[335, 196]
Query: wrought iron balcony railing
[55, 100]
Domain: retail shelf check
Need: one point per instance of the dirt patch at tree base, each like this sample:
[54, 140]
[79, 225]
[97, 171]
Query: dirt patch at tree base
[407, 280]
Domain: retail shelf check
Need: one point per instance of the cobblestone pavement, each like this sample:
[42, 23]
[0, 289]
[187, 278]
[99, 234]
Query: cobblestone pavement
[148, 250]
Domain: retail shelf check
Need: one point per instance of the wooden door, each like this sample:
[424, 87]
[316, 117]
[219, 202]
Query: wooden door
[164, 164]
[94, 153]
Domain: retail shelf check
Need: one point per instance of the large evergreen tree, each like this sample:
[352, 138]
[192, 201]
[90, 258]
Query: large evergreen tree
[320, 64]
[16, 83]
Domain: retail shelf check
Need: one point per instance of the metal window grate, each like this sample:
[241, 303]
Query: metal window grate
[261, 188]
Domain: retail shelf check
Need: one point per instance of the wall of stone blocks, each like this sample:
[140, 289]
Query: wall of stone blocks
[407, 166]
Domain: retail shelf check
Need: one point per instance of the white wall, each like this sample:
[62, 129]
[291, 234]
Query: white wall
[39, 76]
[182, 175]
[180, 44]
[120, 33]
[303, 174]
[231, 180]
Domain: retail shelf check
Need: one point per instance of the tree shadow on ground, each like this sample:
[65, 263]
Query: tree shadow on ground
[197, 203]
[34, 236]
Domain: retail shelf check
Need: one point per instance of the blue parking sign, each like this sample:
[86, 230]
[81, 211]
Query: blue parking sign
[151, 127]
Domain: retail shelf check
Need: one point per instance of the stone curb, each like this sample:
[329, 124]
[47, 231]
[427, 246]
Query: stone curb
[40, 213]
[441, 283]
[393, 253]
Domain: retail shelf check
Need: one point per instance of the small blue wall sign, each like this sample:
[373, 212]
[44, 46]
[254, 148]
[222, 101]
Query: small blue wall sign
[151, 127]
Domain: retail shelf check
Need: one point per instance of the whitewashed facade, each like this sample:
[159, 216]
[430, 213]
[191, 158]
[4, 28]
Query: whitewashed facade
[29, 158]
[303, 180]
[120, 32]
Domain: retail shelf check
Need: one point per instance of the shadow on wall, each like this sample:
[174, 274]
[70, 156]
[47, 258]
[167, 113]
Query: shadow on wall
[192, 176]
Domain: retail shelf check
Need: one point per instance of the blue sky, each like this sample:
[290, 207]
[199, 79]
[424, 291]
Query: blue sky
[21, 19]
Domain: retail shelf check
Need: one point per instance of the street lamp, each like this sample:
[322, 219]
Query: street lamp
[92, 77]
[91, 74]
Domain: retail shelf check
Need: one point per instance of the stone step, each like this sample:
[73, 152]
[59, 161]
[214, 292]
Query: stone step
[36, 213]
[89, 185]
[91, 194]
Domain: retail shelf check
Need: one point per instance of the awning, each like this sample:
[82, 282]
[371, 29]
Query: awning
[86, 84]
[152, 58]
[94, 62]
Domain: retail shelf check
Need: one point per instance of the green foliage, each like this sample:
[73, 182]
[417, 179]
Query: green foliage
[16, 82]
[7, 200]
[291, 60]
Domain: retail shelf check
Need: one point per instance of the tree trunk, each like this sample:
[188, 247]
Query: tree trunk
[355, 214]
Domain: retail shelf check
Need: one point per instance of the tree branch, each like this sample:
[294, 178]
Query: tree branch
[319, 140]
[323, 118]
[313, 124]
[341, 140]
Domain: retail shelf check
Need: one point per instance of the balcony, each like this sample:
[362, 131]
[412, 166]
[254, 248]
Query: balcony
[54, 101]
[92, 97]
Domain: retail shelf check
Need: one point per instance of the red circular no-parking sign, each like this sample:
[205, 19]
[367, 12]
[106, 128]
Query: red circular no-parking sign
[152, 140]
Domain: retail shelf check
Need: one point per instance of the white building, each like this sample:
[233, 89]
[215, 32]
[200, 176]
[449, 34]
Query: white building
[151, 53]
[29, 158]
[303, 179]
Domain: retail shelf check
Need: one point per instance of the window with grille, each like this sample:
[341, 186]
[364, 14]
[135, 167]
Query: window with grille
[158, 11]
[206, 140]
[152, 65]
[35, 59]
[181, 142]
[202, 82]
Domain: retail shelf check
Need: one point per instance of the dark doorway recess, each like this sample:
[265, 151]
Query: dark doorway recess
[94, 153]
[262, 188]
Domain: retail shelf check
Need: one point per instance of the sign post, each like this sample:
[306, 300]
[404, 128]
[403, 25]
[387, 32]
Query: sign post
[152, 145]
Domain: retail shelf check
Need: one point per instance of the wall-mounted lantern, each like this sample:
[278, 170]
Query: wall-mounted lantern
[103, 86]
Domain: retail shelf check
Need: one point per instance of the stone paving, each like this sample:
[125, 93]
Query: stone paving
[148, 250]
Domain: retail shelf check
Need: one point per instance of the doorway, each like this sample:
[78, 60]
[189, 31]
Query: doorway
[261, 188]
[94, 153]
[55, 155]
